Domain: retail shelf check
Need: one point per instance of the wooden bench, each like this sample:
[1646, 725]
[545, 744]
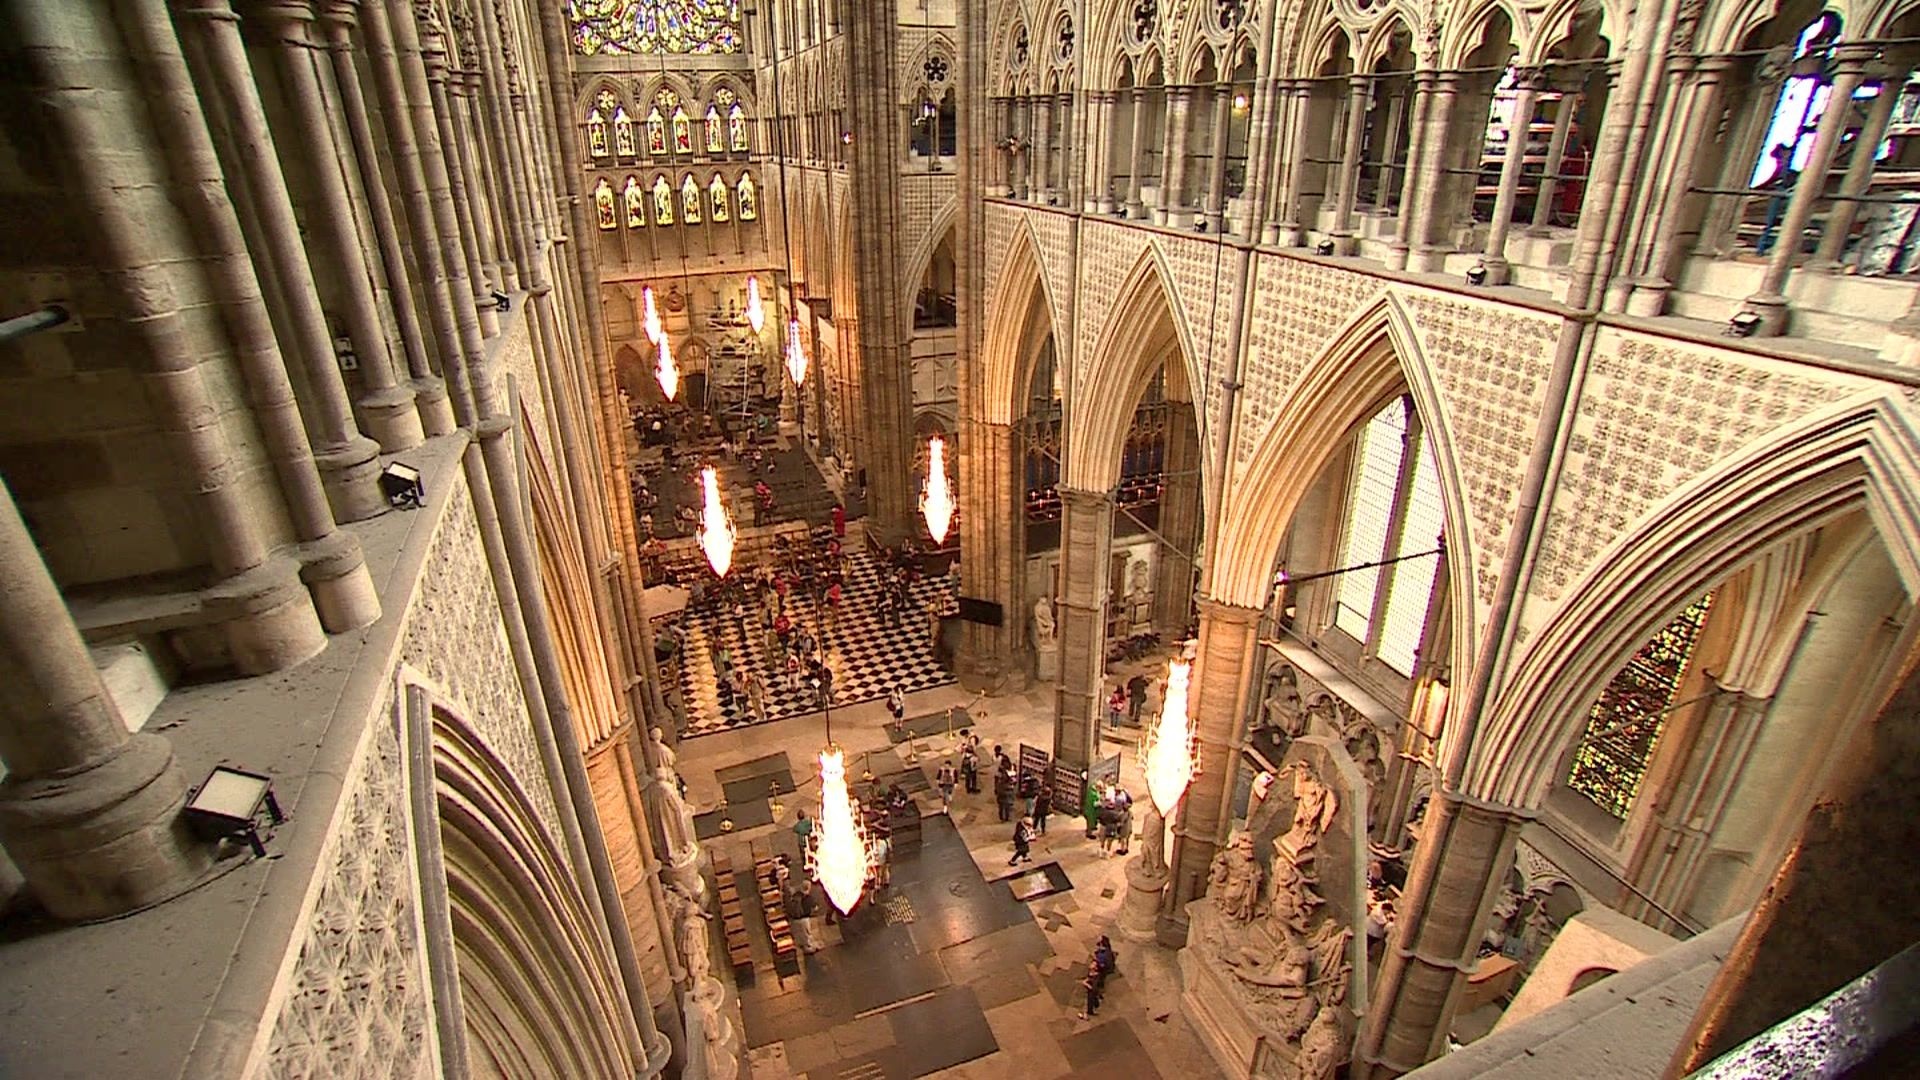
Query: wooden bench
[786, 953]
[733, 919]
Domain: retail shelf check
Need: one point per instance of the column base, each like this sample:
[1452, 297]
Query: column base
[1171, 930]
[1429, 259]
[1397, 255]
[105, 840]
[350, 474]
[269, 620]
[392, 420]
[484, 306]
[1649, 297]
[436, 410]
[1140, 912]
[1902, 345]
[335, 570]
[1343, 243]
[1771, 308]
[1499, 271]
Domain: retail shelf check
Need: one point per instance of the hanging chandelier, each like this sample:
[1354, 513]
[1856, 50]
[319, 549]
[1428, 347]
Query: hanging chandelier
[796, 356]
[716, 531]
[666, 370]
[756, 315]
[840, 855]
[936, 503]
[650, 316]
[1169, 761]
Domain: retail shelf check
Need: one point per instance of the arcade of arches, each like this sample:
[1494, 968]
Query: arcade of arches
[1435, 526]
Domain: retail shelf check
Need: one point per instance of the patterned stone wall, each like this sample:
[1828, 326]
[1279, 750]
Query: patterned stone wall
[1299, 305]
[358, 1006]
[924, 197]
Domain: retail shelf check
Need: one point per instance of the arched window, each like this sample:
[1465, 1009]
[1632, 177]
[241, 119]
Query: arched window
[656, 132]
[623, 27]
[1624, 725]
[1393, 511]
[716, 131]
[636, 200]
[682, 132]
[604, 104]
[737, 129]
[717, 195]
[603, 205]
[623, 134]
[662, 201]
[690, 199]
[749, 199]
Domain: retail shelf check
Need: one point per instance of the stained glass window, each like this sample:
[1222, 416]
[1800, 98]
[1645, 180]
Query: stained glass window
[662, 201]
[737, 129]
[716, 132]
[603, 205]
[1624, 725]
[656, 132]
[717, 195]
[749, 199]
[690, 199]
[623, 134]
[596, 134]
[636, 200]
[619, 27]
[682, 132]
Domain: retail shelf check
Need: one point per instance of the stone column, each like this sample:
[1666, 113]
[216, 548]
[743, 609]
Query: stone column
[1464, 855]
[1135, 207]
[467, 208]
[1180, 526]
[1527, 86]
[999, 176]
[1020, 152]
[1098, 198]
[337, 19]
[1563, 111]
[1841, 901]
[1769, 301]
[1358, 91]
[883, 362]
[1216, 208]
[993, 554]
[1287, 229]
[89, 813]
[1043, 150]
[1225, 659]
[349, 461]
[1860, 165]
[1063, 124]
[1173, 208]
[1419, 152]
[1699, 121]
[1086, 545]
[1436, 189]
[387, 404]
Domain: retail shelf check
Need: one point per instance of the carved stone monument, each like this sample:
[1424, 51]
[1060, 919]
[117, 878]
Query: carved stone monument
[682, 856]
[1275, 964]
[1046, 640]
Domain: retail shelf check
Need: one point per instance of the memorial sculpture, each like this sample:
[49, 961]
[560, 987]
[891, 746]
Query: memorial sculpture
[1233, 881]
[1044, 630]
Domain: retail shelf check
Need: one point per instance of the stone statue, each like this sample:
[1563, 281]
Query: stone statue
[1044, 629]
[1137, 585]
[1319, 1047]
[1233, 881]
[1314, 805]
[676, 817]
[1281, 708]
[1331, 968]
[1293, 898]
[664, 754]
[694, 944]
[1288, 967]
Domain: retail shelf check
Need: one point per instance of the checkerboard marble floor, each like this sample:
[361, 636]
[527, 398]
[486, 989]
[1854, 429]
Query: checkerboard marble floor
[868, 656]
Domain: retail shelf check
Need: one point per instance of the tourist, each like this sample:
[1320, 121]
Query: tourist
[797, 903]
[1103, 961]
[945, 780]
[1123, 817]
[1022, 842]
[803, 831]
[970, 766]
[880, 850]
[839, 520]
[897, 704]
[793, 672]
[1116, 706]
[1136, 697]
[1109, 828]
[1090, 805]
[757, 698]
[1039, 809]
[1003, 787]
[1092, 986]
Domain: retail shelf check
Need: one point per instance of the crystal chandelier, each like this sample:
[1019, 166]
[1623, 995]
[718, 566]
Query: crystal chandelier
[650, 316]
[756, 315]
[840, 855]
[1169, 763]
[666, 370]
[716, 532]
[936, 503]
[796, 356]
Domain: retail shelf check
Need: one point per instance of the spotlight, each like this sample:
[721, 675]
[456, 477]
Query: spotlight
[847, 137]
[1477, 275]
[227, 805]
[343, 350]
[502, 302]
[1240, 103]
[1324, 247]
[400, 483]
[1745, 323]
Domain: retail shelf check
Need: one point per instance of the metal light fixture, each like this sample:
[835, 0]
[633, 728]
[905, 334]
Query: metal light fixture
[756, 313]
[228, 803]
[1324, 247]
[1745, 323]
[716, 530]
[1240, 102]
[936, 502]
[650, 316]
[1477, 274]
[666, 370]
[1169, 757]
[840, 856]
[402, 486]
[796, 355]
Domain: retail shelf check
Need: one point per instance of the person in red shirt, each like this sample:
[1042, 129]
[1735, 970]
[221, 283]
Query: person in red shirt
[839, 520]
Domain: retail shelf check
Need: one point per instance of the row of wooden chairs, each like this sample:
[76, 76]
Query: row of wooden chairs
[786, 954]
[732, 919]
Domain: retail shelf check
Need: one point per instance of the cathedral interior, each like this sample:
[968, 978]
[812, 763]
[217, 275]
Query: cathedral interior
[870, 539]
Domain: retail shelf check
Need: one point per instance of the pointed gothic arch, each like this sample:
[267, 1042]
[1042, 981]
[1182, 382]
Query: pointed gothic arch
[1020, 315]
